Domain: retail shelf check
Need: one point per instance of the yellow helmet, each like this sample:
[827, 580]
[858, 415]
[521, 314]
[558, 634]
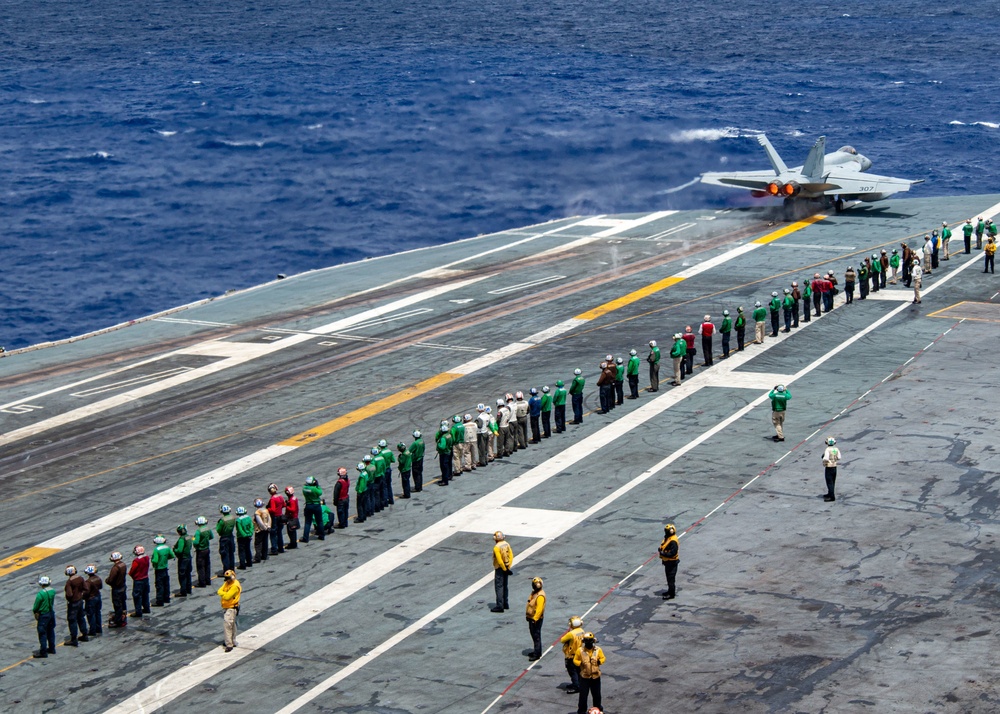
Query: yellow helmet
[669, 529]
[536, 583]
[229, 574]
[498, 536]
[575, 622]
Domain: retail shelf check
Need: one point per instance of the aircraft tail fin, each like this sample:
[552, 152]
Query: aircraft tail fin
[776, 162]
[813, 167]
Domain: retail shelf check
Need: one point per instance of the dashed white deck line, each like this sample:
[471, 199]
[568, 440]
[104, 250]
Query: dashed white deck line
[891, 294]
[816, 246]
[382, 320]
[200, 323]
[524, 286]
[112, 386]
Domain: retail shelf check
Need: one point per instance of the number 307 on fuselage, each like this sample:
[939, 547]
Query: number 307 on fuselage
[828, 178]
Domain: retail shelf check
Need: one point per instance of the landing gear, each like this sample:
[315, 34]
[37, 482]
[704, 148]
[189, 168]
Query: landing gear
[838, 204]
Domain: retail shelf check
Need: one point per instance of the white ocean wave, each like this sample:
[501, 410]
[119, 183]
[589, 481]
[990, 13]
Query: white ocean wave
[238, 144]
[990, 124]
[956, 122]
[794, 132]
[37, 101]
[101, 155]
[161, 132]
[315, 126]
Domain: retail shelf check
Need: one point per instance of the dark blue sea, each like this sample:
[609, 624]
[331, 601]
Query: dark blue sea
[152, 154]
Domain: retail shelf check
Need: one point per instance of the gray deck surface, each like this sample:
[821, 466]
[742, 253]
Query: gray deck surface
[885, 600]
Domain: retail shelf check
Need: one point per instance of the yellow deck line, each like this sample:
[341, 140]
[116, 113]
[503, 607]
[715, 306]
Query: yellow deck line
[25, 558]
[790, 228]
[632, 297]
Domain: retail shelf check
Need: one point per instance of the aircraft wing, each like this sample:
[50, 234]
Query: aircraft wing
[751, 180]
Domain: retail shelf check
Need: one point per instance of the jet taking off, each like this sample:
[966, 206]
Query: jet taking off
[831, 178]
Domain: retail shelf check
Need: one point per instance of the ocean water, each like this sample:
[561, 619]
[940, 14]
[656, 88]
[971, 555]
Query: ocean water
[153, 154]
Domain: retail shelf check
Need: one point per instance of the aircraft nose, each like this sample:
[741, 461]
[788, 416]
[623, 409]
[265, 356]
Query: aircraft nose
[866, 163]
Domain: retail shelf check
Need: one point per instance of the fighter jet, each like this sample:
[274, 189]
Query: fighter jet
[834, 178]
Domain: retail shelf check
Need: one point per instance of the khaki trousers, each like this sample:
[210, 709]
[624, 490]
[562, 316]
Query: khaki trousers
[916, 289]
[778, 419]
[759, 332]
[677, 369]
[229, 626]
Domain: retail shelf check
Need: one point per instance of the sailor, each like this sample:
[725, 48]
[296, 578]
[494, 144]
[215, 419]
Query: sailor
[361, 494]
[935, 249]
[807, 293]
[669, 556]
[576, 393]
[989, 250]
[291, 518]
[571, 642]
[787, 303]
[417, 461]
[261, 531]
[632, 372]
[725, 329]
[779, 397]
[945, 240]
[559, 406]
[916, 275]
[505, 435]
[76, 591]
[244, 538]
[654, 366]
[374, 486]
[831, 280]
[535, 415]
[991, 228]
[405, 461]
[883, 264]
[796, 297]
[967, 235]
[850, 277]
[759, 316]
[619, 382]
[329, 517]
[162, 555]
[928, 250]
[688, 364]
[741, 328]
[893, 268]
[458, 445]
[342, 495]
[483, 434]
[605, 386]
[229, 594]
[445, 444]
[139, 572]
[831, 456]
[817, 294]
[907, 261]
[864, 276]
[470, 454]
[534, 613]
[494, 431]
[706, 330]
[202, 552]
[546, 409]
[93, 601]
[116, 581]
[589, 659]
[521, 412]
[389, 459]
[503, 562]
[980, 228]
[677, 352]
[44, 610]
[512, 408]
[276, 507]
[224, 527]
[182, 552]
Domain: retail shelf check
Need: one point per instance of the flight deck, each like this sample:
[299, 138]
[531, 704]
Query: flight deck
[885, 600]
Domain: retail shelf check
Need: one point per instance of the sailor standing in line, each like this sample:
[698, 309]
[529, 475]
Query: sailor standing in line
[94, 601]
[677, 353]
[276, 507]
[44, 610]
[483, 434]
[725, 329]
[741, 329]
[572, 641]
[416, 462]
[917, 277]
[182, 552]
[261, 533]
[967, 235]
[116, 581]
[654, 366]
[759, 316]
[576, 393]
[707, 330]
[589, 659]
[535, 416]
[405, 462]
[632, 372]
[559, 406]
[546, 407]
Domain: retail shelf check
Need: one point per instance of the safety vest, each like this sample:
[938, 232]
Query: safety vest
[532, 607]
[590, 662]
[665, 544]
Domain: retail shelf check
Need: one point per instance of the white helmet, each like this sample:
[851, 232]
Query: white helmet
[361, 467]
[416, 433]
[677, 335]
[480, 407]
[500, 402]
[725, 313]
[70, 570]
[489, 410]
[43, 580]
[632, 352]
[608, 358]
[545, 389]
[831, 441]
[519, 395]
[577, 372]
[652, 343]
[159, 540]
[468, 417]
[90, 569]
[756, 303]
